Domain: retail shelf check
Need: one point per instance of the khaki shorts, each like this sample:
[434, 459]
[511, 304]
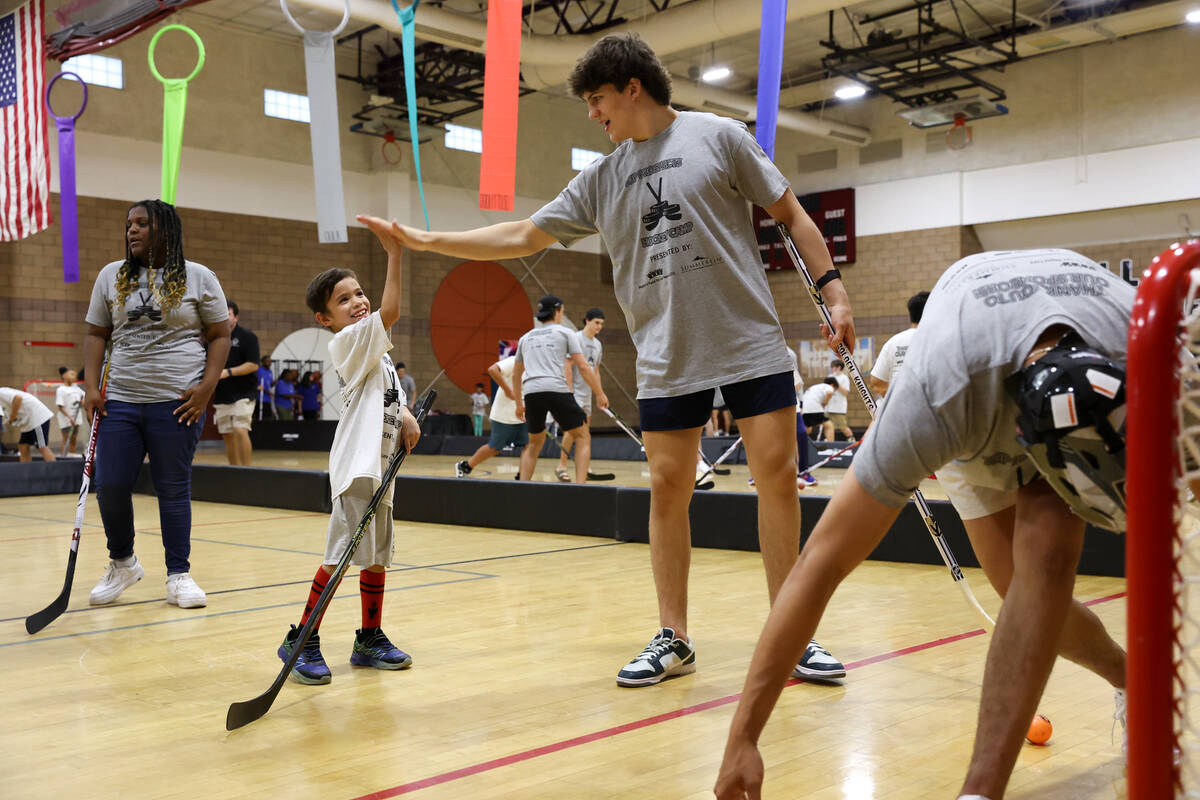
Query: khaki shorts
[838, 420]
[237, 414]
[969, 500]
[378, 540]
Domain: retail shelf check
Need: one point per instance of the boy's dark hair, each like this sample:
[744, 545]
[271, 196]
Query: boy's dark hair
[916, 306]
[831, 381]
[232, 306]
[479, 385]
[615, 59]
[837, 362]
[593, 313]
[400, 365]
[321, 287]
[62, 371]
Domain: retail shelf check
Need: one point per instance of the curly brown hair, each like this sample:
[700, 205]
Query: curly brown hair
[166, 234]
[615, 59]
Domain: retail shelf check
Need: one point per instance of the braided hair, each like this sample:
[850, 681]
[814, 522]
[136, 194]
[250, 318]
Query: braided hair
[166, 233]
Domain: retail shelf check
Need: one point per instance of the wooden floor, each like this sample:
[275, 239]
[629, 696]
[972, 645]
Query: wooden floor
[516, 639]
[628, 473]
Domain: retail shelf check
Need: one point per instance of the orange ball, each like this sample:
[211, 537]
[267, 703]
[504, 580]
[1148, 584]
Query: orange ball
[1040, 730]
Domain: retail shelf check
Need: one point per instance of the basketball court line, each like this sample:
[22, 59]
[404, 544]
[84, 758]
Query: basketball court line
[607, 733]
[190, 618]
[443, 567]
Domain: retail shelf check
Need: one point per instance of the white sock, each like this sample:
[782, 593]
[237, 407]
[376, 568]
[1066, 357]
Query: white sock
[972, 797]
[126, 562]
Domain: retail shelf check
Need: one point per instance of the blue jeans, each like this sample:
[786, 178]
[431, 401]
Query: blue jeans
[126, 436]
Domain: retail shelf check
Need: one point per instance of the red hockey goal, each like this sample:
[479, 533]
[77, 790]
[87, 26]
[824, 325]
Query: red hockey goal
[1162, 548]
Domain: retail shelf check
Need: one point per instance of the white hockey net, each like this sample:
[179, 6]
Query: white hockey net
[1186, 573]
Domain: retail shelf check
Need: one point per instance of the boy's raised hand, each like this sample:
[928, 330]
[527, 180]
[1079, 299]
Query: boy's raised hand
[392, 235]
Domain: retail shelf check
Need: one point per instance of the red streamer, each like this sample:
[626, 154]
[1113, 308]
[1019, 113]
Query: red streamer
[501, 89]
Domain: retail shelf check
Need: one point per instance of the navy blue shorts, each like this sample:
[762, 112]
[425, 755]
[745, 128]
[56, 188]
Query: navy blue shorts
[38, 436]
[744, 399]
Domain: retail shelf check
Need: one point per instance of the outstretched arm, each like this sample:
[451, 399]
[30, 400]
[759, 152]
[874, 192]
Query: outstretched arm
[502, 240]
[389, 305]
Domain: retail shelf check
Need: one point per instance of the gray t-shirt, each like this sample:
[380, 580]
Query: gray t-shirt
[674, 217]
[156, 354]
[981, 322]
[409, 386]
[592, 350]
[543, 354]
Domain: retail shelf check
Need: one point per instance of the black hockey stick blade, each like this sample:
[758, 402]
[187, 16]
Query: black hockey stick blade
[601, 476]
[36, 621]
[248, 711]
[721, 471]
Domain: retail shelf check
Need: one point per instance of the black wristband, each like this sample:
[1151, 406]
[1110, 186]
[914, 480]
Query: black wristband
[830, 275]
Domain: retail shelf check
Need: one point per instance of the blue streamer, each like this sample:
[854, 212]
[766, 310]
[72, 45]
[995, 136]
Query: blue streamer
[770, 71]
[408, 45]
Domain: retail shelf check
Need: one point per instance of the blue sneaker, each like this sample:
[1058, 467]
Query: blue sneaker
[310, 667]
[372, 649]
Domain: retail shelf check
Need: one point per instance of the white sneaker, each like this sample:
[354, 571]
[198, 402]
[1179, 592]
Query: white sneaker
[1119, 716]
[116, 580]
[182, 591]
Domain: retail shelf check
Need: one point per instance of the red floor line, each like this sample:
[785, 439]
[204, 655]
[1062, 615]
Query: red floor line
[515, 758]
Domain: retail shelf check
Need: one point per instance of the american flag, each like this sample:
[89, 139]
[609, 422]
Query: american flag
[24, 147]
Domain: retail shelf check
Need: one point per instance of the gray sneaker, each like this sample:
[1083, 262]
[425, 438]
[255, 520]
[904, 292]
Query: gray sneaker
[116, 580]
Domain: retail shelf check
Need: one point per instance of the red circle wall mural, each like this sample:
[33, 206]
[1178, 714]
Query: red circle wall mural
[476, 305]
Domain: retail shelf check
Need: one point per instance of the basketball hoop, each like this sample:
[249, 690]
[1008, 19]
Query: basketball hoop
[390, 138]
[959, 135]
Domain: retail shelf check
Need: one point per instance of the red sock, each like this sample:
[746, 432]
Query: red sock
[370, 589]
[314, 592]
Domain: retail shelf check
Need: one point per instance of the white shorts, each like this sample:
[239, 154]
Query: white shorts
[377, 542]
[237, 414]
[970, 500]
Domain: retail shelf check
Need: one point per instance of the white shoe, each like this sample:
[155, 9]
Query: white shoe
[182, 591]
[116, 580]
[1119, 716]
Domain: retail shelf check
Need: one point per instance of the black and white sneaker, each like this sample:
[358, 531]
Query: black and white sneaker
[462, 469]
[665, 657]
[818, 663]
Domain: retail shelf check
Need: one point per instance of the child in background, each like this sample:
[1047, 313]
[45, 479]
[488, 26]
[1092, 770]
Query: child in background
[374, 419]
[479, 406]
[310, 395]
[285, 395]
[30, 416]
[69, 400]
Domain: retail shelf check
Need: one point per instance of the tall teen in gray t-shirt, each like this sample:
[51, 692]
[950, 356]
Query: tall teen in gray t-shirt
[674, 215]
[592, 352]
[981, 321]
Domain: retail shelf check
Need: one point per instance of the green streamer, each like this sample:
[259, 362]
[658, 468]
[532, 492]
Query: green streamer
[174, 107]
[408, 47]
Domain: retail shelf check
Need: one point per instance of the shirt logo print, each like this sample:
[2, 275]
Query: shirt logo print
[660, 209]
[145, 309]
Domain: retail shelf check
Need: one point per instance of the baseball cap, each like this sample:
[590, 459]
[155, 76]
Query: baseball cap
[547, 306]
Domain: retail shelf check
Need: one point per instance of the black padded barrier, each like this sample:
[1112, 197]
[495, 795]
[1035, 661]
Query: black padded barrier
[41, 477]
[294, 489]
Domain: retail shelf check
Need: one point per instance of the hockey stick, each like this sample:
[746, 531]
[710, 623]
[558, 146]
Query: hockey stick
[625, 427]
[825, 461]
[248, 711]
[869, 401]
[720, 460]
[36, 621]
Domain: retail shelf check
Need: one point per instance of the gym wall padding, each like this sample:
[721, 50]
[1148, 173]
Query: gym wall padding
[721, 520]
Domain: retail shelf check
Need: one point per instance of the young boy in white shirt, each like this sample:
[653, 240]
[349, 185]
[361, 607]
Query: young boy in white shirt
[69, 400]
[375, 411]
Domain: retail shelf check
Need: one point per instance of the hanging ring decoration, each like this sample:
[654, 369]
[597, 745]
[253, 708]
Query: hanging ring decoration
[67, 195]
[174, 110]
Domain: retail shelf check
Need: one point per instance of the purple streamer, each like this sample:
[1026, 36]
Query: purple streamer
[68, 215]
[770, 70]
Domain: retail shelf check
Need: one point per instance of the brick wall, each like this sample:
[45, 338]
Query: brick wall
[265, 265]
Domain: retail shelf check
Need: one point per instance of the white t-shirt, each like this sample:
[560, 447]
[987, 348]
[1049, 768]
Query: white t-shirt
[504, 409]
[479, 403]
[367, 434]
[33, 412]
[70, 398]
[891, 356]
[815, 397]
[837, 403]
[949, 403]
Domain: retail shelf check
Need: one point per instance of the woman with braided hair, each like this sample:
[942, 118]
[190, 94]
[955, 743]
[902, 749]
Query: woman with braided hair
[161, 313]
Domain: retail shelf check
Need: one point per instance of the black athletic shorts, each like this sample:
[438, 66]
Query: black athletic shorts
[744, 399]
[815, 419]
[38, 436]
[562, 407]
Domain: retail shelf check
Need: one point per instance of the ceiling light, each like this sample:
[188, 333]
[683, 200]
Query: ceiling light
[1193, 16]
[715, 74]
[850, 92]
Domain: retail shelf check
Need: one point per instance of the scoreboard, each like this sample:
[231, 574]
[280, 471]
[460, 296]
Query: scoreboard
[833, 213]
